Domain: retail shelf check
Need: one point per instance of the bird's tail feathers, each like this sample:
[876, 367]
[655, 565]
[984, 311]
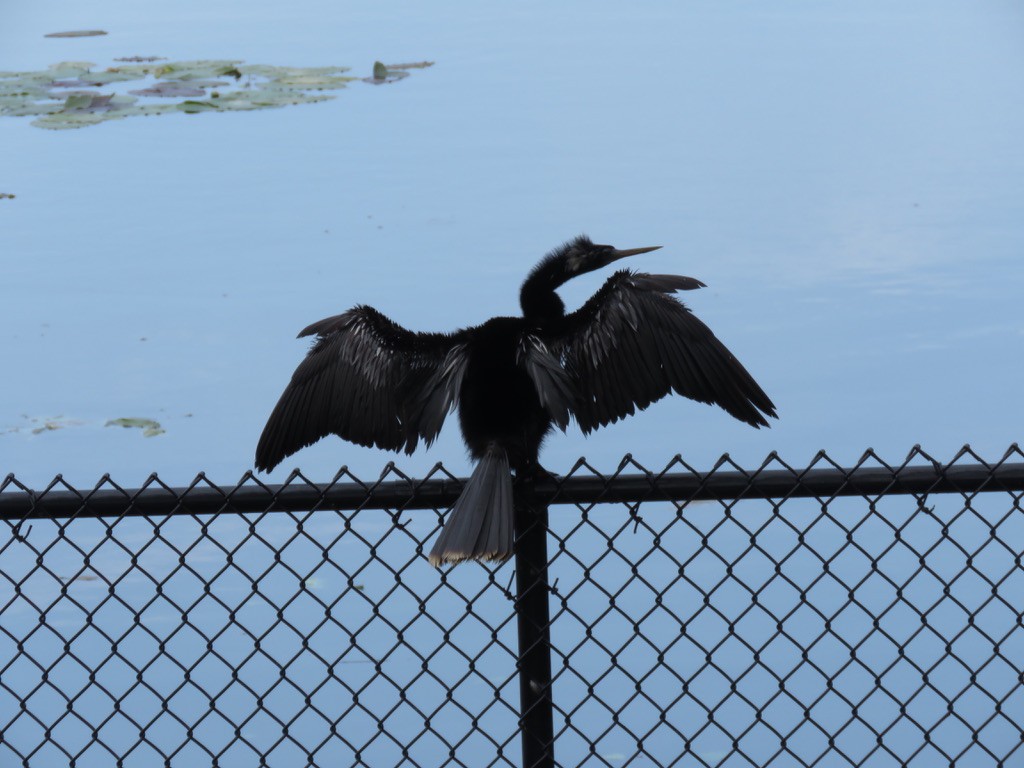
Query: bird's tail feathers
[481, 524]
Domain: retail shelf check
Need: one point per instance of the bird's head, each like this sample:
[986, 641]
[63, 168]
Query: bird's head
[576, 257]
[580, 255]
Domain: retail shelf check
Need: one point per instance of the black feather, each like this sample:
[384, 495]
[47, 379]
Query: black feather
[374, 383]
[632, 343]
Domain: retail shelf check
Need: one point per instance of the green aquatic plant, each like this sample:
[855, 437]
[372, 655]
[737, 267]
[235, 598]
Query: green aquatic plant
[38, 425]
[74, 94]
[149, 427]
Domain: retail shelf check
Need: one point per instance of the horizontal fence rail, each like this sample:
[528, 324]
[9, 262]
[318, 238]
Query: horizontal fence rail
[833, 482]
[870, 615]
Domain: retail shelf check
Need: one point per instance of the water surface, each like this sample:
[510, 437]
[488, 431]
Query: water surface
[847, 180]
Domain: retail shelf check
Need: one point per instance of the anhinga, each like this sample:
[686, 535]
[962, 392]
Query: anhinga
[375, 383]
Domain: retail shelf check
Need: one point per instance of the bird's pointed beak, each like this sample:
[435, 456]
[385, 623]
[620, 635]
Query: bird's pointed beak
[616, 255]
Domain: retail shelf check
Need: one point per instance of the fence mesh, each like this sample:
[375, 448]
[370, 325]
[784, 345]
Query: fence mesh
[826, 629]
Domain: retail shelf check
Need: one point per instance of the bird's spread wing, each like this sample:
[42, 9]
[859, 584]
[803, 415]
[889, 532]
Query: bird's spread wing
[632, 343]
[368, 380]
[552, 382]
[430, 402]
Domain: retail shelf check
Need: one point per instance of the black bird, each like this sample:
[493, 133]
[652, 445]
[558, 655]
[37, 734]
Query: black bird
[513, 379]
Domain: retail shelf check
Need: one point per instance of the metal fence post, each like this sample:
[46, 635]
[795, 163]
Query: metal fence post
[536, 715]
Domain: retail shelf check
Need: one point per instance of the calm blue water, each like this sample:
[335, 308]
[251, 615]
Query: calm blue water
[847, 183]
[847, 180]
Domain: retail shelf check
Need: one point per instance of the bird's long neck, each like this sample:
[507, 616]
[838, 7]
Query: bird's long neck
[537, 297]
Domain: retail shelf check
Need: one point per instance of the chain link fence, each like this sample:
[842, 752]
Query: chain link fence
[774, 616]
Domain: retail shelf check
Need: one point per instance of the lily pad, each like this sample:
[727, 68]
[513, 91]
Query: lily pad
[134, 71]
[67, 120]
[89, 102]
[95, 79]
[206, 83]
[170, 90]
[145, 110]
[149, 427]
[76, 83]
[193, 70]
[85, 108]
[78, 33]
[191, 107]
[313, 82]
[75, 94]
[265, 98]
[270, 71]
[112, 75]
[65, 69]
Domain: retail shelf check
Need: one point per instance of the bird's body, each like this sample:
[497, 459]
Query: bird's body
[513, 379]
[498, 401]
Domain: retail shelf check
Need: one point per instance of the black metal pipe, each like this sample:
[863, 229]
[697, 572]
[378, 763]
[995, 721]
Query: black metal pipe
[155, 499]
[536, 708]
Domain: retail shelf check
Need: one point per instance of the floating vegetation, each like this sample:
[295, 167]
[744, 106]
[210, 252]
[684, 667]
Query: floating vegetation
[390, 73]
[149, 427]
[39, 425]
[51, 425]
[74, 94]
[172, 89]
[78, 33]
[6, 196]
